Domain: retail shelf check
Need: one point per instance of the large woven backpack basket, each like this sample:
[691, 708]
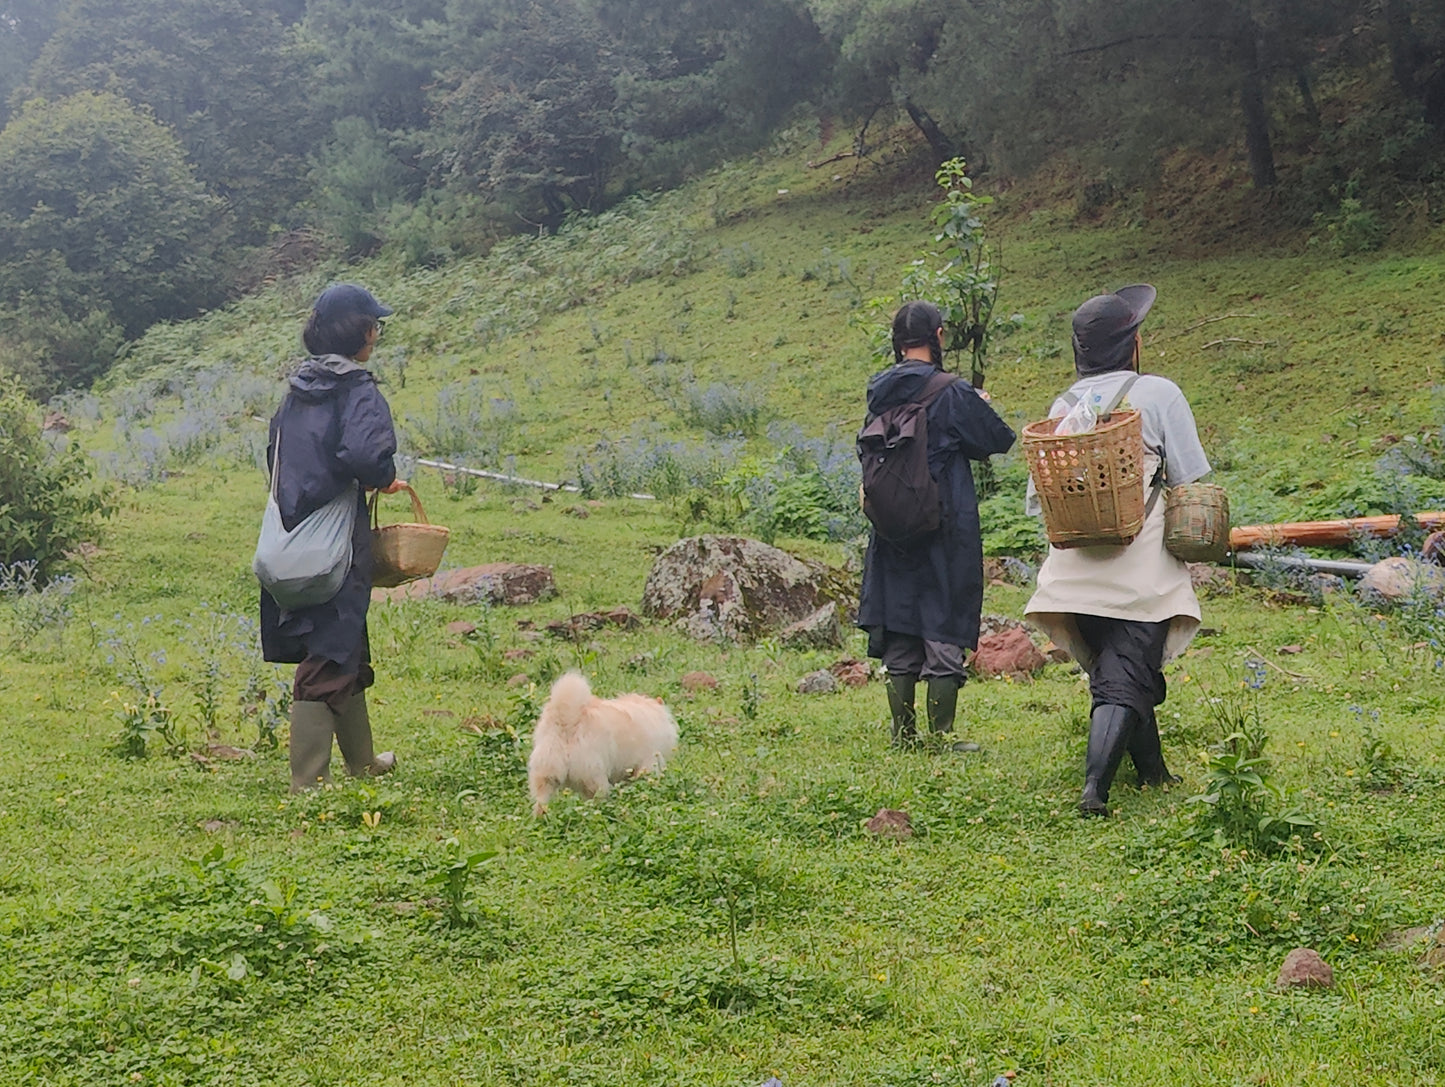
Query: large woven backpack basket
[1091, 485]
[405, 551]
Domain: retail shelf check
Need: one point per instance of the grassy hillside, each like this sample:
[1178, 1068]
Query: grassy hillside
[177, 919]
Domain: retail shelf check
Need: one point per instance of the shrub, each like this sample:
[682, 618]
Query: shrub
[47, 503]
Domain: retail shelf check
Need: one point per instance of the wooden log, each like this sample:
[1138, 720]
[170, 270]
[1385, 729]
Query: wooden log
[1324, 533]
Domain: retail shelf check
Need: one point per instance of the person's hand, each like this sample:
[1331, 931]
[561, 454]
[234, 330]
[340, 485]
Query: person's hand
[394, 486]
[983, 395]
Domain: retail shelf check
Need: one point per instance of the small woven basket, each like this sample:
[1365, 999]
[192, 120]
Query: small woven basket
[1196, 522]
[1091, 485]
[406, 551]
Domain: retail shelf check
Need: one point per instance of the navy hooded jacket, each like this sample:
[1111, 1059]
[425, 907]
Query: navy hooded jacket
[933, 588]
[334, 428]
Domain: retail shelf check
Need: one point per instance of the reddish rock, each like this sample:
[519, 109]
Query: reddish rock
[575, 625]
[1007, 653]
[693, 682]
[509, 583]
[1304, 969]
[851, 672]
[461, 628]
[518, 654]
[891, 823]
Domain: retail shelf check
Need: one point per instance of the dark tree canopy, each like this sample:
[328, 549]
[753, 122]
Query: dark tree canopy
[223, 74]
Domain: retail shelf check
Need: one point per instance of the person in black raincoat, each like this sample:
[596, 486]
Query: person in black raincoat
[920, 602]
[332, 430]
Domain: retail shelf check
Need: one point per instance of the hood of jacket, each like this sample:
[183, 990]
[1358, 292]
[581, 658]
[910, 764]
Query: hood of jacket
[900, 383]
[321, 375]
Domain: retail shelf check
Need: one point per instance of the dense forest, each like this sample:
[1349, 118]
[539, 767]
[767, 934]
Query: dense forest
[161, 156]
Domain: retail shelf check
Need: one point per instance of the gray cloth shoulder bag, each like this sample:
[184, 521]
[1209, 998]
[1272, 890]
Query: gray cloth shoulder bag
[307, 565]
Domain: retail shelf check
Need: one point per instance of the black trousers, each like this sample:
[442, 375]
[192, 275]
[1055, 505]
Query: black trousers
[1128, 662]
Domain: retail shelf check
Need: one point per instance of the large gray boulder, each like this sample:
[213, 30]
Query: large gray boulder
[730, 588]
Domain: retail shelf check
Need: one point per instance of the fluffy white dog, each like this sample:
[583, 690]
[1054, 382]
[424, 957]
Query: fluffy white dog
[587, 744]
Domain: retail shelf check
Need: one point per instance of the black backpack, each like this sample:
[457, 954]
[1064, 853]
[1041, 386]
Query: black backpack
[900, 495]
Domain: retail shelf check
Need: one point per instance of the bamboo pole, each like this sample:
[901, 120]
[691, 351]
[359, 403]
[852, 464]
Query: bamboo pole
[1324, 533]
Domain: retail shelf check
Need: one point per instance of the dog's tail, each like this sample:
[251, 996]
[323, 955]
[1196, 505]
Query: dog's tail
[570, 695]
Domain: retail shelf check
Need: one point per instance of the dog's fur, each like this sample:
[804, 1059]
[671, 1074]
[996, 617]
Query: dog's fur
[587, 744]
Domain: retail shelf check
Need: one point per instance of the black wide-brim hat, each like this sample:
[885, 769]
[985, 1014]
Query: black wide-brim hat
[1104, 328]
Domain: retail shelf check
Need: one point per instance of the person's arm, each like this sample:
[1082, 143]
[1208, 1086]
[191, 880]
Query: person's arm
[974, 428]
[368, 438]
[1184, 459]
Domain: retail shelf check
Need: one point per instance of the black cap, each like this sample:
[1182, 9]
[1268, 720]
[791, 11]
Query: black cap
[344, 299]
[1104, 328]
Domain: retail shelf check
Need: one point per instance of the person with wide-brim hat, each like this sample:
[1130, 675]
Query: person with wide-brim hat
[1122, 612]
[332, 431]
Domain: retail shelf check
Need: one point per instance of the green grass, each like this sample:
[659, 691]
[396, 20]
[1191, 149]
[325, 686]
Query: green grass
[732, 919]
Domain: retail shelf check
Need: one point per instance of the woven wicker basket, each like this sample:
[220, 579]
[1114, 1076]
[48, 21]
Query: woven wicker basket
[1090, 485]
[1196, 522]
[406, 551]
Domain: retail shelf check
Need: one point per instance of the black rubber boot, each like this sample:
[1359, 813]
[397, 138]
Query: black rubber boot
[900, 687]
[1148, 755]
[1109, 732]
[943, 709]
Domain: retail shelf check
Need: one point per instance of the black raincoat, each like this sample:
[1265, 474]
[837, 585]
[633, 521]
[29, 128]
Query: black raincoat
[335, 428]
[933, 588]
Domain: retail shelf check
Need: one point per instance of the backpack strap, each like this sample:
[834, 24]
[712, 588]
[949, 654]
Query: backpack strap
[1068, 397]
[934, 386]
[931, 390]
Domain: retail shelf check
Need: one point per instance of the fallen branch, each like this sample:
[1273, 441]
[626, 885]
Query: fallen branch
[1236, 339]
[832, 158]
[1211, 320]
[1255, 654]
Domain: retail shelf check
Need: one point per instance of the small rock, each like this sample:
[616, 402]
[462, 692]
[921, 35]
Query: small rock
[1055, 654]
[461, 628]
[518, 654]
[818, 630]
[1007, 653]
[692, 682]
[1289, 650]
[819, 682]
[579, 512]
[1398, 577]
[890, 823]
[1304, 969]
[210, 826]
[851, 672]
[521, 679]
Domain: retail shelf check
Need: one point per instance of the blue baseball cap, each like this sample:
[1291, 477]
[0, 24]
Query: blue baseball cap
[344, 299]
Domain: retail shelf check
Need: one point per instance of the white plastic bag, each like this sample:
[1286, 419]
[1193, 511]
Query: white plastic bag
[1081, 418]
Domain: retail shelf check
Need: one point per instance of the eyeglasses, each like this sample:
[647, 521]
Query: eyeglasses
[380, 328]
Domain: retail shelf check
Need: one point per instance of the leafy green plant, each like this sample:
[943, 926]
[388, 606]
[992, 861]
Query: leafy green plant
[1240, 806]
[50, 504]
[960, 275]
[453, 878]
[143, 723]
